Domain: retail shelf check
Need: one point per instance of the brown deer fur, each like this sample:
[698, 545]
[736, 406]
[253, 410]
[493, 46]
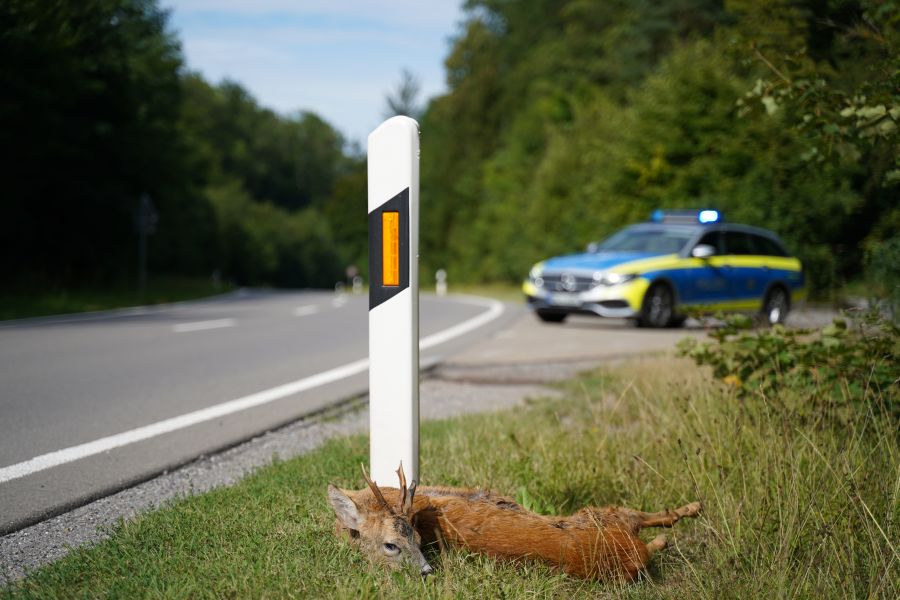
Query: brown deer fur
[594, 543]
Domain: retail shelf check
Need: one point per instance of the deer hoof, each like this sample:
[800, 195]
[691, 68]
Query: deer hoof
[691, 510]
[658, 543]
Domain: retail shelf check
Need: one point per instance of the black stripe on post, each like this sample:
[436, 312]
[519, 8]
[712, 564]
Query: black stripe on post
[378, 292]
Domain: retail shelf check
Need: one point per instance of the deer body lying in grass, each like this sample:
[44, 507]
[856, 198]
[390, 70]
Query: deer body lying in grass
[391, 525]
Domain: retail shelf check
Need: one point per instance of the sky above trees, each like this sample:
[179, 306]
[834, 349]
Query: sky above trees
[335, 58]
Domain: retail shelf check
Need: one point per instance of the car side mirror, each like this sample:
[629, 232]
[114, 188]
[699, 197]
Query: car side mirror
[593, 247]
[703, 251]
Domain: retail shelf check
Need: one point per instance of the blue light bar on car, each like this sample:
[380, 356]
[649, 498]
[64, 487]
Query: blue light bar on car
[686, 216]
[708, 216]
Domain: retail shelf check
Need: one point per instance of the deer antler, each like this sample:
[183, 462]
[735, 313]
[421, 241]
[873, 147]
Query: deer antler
[402, 476]
[412, 493]
[406, 494]
[375, 489]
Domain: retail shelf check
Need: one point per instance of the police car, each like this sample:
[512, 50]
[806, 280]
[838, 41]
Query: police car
[679, 260]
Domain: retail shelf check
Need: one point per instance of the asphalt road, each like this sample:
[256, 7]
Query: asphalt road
[93, 404]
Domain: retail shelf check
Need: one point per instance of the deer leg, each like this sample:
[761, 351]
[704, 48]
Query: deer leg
[656, 544]
[635, 520]
[632, 520]
[665, 518]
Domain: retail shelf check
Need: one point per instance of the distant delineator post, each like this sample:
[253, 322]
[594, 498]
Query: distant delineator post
[394, 300]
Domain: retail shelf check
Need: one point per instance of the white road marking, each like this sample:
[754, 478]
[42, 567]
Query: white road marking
[203, 325]
[59, 457]
[339, 301]
[495, 310]
[305, 311]
[67, 455]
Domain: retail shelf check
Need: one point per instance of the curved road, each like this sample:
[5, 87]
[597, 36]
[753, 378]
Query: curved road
[91, 404]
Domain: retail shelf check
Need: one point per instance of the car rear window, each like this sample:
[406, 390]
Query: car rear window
[739, 242]
[767, 246]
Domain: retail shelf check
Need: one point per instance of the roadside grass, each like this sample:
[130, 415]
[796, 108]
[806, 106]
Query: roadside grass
[793, 506]
[28, 302]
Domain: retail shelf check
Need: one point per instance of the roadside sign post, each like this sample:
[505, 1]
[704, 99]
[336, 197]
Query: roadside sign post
[145, 219]
[394, 300]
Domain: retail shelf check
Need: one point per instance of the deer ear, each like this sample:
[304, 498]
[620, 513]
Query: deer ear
[345, 508]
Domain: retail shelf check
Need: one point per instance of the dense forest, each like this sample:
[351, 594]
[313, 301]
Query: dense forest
[562, 121]
[567, 120]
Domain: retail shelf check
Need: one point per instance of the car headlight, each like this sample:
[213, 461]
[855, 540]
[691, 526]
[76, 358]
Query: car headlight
[609, 279]
[536, 271]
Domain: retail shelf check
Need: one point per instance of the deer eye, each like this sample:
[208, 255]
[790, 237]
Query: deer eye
[391, 549]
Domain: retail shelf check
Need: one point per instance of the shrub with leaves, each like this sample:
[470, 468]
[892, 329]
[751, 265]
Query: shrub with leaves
[849, 362]
[883, 275]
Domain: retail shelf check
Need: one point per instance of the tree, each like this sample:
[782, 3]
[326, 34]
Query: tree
[404, 100]
[90, 101]
[318, 158]
[517, 74]
[830, 70]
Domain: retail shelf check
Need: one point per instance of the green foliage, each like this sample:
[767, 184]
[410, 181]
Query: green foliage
[259, 243]
[883, 274]
[832, 67]
[99, 112]
[19, 303]
[529, 502]
[519, 74]
[290, 161]
[568, 120]
[838, 365]
[563, 121]
[268, 180]
[346, 211]
[828, 71]
[88, 115]
[271, 183]
[404, 100]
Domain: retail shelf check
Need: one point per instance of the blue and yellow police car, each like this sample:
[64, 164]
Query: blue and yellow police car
[679, 260]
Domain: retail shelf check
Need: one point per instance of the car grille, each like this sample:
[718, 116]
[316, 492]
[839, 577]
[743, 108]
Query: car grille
[565, 282]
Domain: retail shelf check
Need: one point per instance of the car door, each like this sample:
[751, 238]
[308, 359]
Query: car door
[747, 278]
[706, 282]
[771, 262]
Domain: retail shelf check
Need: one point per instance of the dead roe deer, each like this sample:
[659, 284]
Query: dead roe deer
[391, 526]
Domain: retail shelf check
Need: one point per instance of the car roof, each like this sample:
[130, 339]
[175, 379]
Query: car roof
[703, 227]
[685, 227]
[747, 229]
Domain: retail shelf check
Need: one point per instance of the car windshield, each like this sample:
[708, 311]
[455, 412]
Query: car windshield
[657, 241]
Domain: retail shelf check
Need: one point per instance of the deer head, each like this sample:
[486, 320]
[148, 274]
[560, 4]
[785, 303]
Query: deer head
[383, 532]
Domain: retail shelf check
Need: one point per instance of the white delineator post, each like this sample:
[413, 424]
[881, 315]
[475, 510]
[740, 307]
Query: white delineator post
[440, 282]
[394, 300]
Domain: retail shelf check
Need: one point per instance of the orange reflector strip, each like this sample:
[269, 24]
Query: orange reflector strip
[390, 251]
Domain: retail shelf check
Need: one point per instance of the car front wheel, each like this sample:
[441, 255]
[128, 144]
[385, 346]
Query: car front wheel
[658, 309]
